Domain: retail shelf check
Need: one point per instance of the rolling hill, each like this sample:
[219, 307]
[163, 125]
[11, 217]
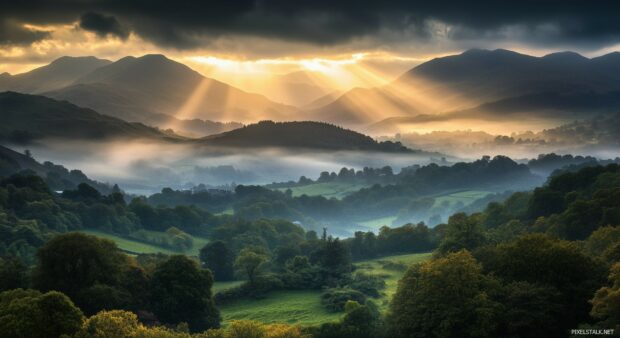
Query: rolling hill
[29, 117]
[309, 135]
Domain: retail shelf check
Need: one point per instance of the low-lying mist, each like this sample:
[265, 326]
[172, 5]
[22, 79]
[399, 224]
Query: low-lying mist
[143, 167]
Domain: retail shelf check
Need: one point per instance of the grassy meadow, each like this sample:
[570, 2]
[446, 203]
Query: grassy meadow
[304, 307]
[134, 246]
[327, 189]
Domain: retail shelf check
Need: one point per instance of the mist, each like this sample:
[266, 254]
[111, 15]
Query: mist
[143, 167]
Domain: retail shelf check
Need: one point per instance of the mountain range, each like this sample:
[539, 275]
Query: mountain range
[486, 83]
[476, 84]
[151, 89]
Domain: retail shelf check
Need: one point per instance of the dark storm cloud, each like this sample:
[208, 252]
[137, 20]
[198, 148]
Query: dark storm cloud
[13, 33]
[102, 25]
[186, 24]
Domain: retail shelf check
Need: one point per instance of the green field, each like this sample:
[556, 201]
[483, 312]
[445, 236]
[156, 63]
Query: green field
[329, 189]
[138, 247]
[293, 307]
[227, 211]
[304, 307]
[221, 286]
[466, 197]
[377, 223]
[375, 267]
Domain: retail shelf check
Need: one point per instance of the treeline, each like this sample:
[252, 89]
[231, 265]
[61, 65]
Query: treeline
[30, 214]
[367, 175]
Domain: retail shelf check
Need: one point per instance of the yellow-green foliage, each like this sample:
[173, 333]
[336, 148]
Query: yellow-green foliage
[254, 329]
[125, 324]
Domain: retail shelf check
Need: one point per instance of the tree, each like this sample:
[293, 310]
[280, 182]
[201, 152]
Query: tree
[12, 274]
[334, 260]
[29, 313]
[446, 297]
[217, 257]
[463, 232]
[606, 301]
[74, 261]
[181, 292]
[250, 261]
[545, 261]
[115, 323]
[530, 310]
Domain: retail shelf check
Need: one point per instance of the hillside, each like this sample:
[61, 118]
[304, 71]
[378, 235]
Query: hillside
[476, 78]
[134, 88]
[56, 176]
[30, 117]
[311, 135]
[59, 73]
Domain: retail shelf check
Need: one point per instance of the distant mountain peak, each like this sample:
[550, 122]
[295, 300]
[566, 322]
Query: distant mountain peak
[565, 56]
[67, 58]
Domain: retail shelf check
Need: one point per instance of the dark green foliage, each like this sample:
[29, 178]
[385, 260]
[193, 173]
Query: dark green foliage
[202, 199]
[334, 261]
[217, 257]
[530, 310]
[75, 261]
[447, 297]
[359, 321]
[334, 299]
[181, 292]
[463, 232]
[251, 262]
[370, 285]
[541, 260]
[90, 270]
[29, 313]
[13, 274]
[102, 297]
[269, 234]
[606, 301]
[299, 273]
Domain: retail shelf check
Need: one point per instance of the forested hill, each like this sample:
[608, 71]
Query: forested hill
[57, 177]
[305, 134]
[28, 117]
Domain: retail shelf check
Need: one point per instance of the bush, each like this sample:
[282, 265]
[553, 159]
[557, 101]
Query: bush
[334, 299]
[368, 284]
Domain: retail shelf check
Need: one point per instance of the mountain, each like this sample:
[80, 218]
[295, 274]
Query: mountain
[60, 73]
[135, 88]
[29, 117]
[477, 77]
[308, 135]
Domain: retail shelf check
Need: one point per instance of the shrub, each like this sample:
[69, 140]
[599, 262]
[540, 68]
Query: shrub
[334, 299]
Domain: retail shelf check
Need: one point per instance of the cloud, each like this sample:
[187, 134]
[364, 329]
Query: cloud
[187, 24]
[13, 33]
[103, 25]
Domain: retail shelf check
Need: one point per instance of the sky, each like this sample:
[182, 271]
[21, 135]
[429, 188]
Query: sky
[364, 43]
